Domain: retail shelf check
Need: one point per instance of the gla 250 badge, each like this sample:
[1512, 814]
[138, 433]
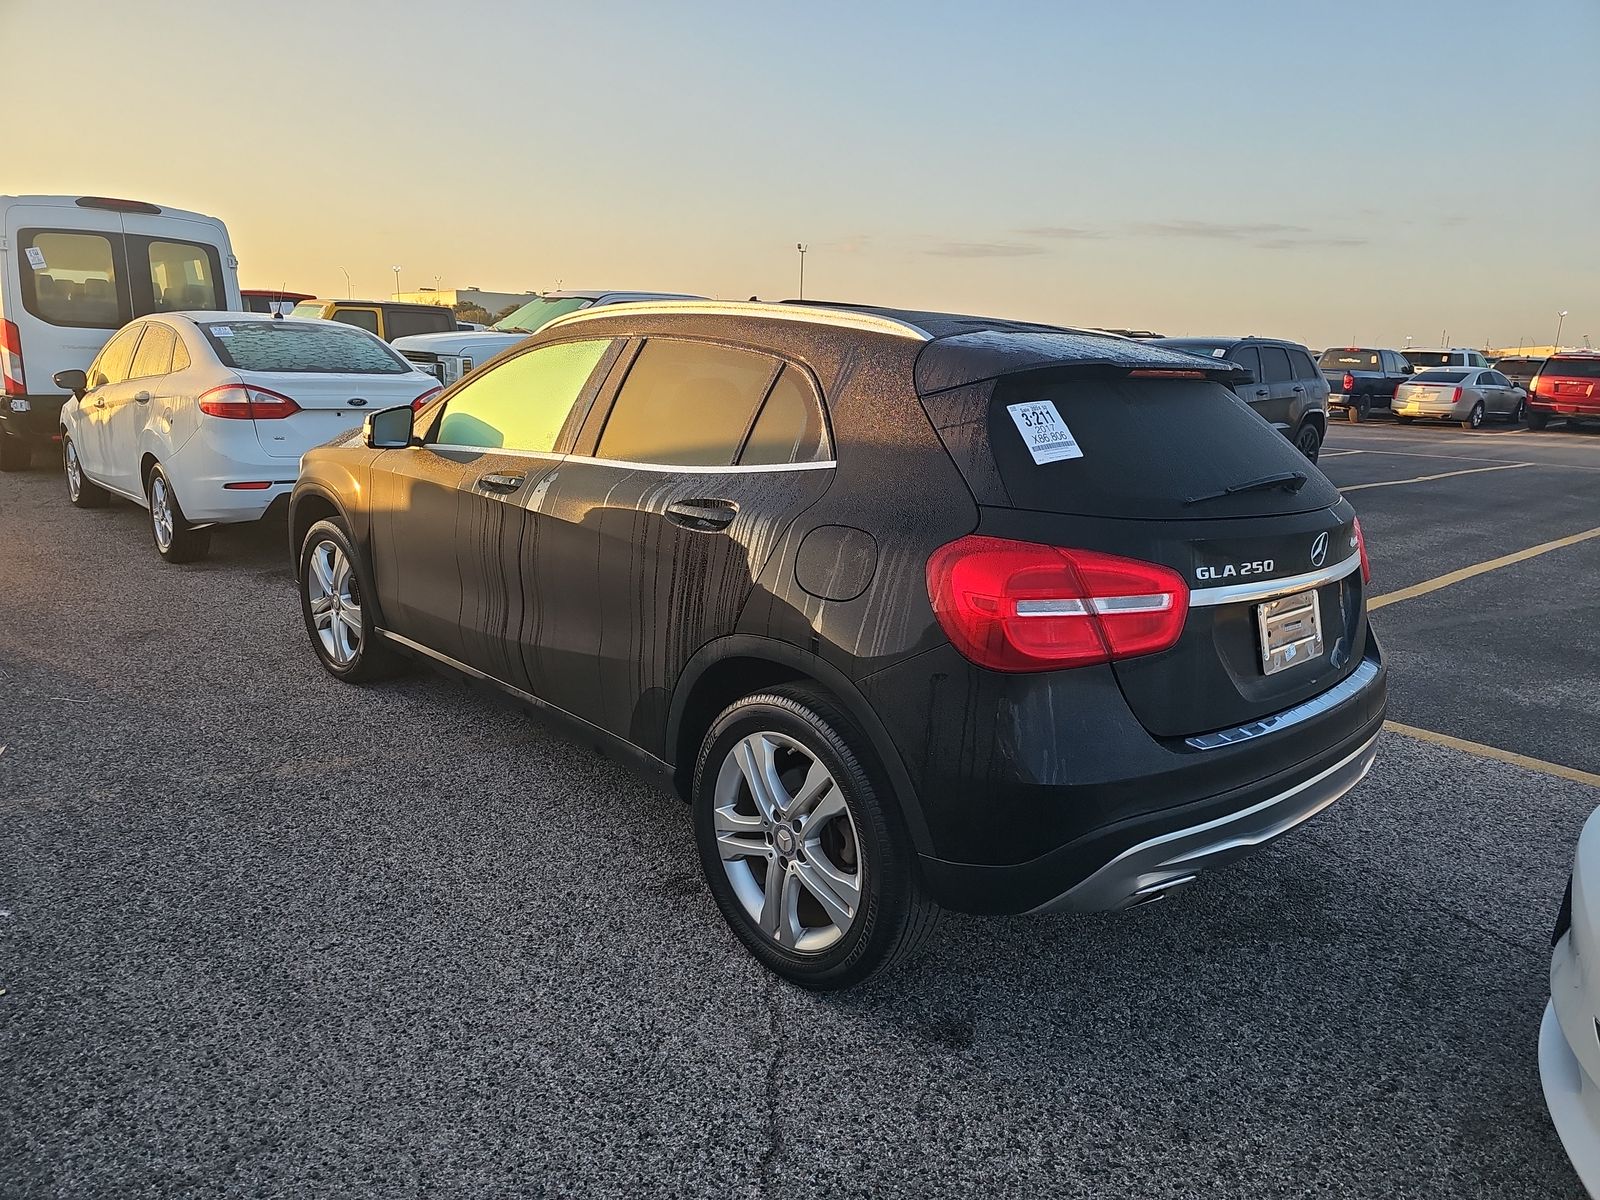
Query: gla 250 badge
[1263, 566]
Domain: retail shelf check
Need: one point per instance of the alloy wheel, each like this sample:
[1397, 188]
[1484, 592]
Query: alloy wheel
[335, 603]
[74, 472]
[161, 512]
[788, 842]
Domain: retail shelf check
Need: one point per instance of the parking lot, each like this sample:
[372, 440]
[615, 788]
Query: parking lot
[264, 934]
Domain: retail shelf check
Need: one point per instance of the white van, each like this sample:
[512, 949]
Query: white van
[75, 269]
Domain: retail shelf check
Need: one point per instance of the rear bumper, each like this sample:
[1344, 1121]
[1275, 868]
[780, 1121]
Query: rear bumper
[1434, 409]
[1584, 407]
[35, 418]
[1278, 774]
[1572, 1098]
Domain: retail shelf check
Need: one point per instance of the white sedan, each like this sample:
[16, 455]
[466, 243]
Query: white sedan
[202, 417]
[1569, 1039]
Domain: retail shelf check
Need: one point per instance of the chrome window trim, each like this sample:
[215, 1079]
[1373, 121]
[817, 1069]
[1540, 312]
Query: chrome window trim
[869, 322]
[1348, 687]
[628, 465]
[1271, 589]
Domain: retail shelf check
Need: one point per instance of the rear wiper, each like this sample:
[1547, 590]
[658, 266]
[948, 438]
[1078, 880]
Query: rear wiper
[1289, 481]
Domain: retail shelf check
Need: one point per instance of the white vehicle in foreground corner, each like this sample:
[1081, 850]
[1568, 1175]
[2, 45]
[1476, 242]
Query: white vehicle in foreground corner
[1569, 1038]
[202, 417]
[449, 356]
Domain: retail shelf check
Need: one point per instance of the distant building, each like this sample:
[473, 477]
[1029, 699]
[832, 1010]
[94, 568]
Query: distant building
[490, 302]
[1524, 351]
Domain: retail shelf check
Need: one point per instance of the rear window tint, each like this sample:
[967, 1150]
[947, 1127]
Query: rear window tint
[1440, 376]
[292, 346]
[1573, 368]
[1422, 359]
[404, 322]
[1351, 360]
[1148, 445]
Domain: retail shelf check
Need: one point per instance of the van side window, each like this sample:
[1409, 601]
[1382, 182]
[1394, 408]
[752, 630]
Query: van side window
[70, 278]
[183, 277]
[114, 361]
[154, 356]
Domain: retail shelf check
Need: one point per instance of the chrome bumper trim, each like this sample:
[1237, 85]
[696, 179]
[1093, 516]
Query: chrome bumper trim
[1347, 688]
[1146, 871]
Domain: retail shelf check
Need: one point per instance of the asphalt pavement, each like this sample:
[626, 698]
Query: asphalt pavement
[263, 934]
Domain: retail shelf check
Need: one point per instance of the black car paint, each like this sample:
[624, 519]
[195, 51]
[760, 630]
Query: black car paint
[575, 594]
[1372, 388]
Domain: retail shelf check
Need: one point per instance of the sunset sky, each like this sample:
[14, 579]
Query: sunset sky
[1329, 172]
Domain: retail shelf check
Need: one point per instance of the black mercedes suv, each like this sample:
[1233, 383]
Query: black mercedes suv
[915, 609]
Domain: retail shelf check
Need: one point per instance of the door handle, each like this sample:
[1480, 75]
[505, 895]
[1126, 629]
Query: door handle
[703, 514]
[502, 483]
[141, 398]
[1298, 388]
[1261, 391]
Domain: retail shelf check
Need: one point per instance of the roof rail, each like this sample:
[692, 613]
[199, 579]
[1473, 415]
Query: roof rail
[842, 318]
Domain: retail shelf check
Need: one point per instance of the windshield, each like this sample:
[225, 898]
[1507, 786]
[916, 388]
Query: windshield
[536, 314]
[308, 308]
[1440, 376]
[293, 346]
[1350, 360]
[1573, 368]
[1421, 359]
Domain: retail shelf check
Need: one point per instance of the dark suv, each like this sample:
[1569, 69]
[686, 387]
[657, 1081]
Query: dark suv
[1283, 383]
[915, 609]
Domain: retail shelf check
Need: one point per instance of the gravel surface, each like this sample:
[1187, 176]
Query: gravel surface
[263, 934]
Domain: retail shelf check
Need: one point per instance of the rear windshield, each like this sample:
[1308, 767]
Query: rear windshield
[536, 314]
[1518, 366]
[1147, 448]
[1421, 359]
[1440, 376]
[1350, 360]
[1205, 349]
[308, 308]
[1573, 368]
[309, 349]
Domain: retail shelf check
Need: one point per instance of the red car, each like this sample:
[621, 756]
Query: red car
[1568, 385]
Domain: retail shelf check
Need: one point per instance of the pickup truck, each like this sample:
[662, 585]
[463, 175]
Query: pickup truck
[1361, 379]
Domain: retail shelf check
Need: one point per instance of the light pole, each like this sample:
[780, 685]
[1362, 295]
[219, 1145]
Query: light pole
[348, 290]
[396, 271]
[1408, 341]
[802, 248]
[1560, 317]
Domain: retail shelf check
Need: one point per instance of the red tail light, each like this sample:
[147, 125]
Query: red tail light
[1455, 396]
[1349, 384]
[1019, 606]
[12, 381]
[236, 402]
[1361, 545]
[427, 396]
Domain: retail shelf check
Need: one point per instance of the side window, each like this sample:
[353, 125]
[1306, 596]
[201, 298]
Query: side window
[403, 322]
[1304, 368]
[70, 278]
[183, 277]
[686, 404]
[523, 403]
[1275, 365]
[180, 354]
[361, 318]
[154, 356]
[114, 361]
[789, 428]
[1249, 358]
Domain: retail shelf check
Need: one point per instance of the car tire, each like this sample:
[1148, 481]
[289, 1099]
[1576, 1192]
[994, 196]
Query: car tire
[816, 760]
[15, 454]
[1308, 440]
[82, 492]
[1518, 413]
[1536, 420]
[1475, 417]
[176, 540]
[1357, 410]
[332, 583]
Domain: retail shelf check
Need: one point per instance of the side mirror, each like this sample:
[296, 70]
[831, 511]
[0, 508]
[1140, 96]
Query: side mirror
[389, 429]
[73, 381]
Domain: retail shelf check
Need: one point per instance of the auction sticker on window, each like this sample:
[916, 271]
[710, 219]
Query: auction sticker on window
[36, 258]
[1043, 431]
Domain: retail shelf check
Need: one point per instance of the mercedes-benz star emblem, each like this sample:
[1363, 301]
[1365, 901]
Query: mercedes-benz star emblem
[1319, 550]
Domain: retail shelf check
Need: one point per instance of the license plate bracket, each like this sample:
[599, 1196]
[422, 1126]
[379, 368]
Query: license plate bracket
[1290, 630]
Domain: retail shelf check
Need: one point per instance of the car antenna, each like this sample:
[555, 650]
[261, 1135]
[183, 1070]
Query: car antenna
[277, 313]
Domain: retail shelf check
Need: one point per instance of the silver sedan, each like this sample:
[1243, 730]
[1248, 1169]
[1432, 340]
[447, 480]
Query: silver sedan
[1466, 394]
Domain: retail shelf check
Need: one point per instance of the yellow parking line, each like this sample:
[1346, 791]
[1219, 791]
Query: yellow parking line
[1479, 750]
[1356, 487]
[1494, 564]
